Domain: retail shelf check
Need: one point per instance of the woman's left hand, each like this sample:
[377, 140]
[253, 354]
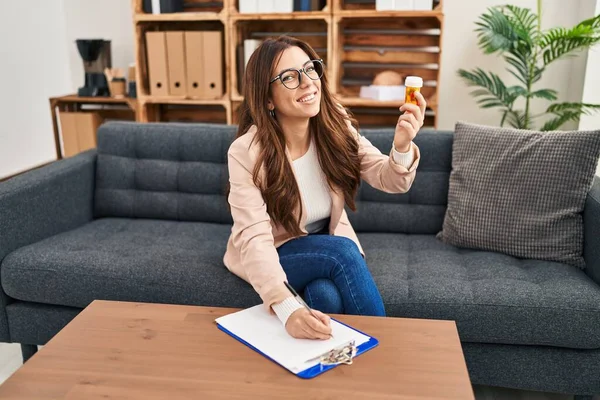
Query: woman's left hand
[409, 123]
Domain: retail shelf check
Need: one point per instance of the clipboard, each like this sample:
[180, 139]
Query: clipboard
[274, 346]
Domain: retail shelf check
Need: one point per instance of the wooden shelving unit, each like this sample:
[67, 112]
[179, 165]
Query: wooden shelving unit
[124, 108]
[175, 17]
[355, 41]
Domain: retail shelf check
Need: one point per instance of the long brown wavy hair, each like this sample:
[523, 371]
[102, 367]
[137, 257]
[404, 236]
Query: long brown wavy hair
[336, 146]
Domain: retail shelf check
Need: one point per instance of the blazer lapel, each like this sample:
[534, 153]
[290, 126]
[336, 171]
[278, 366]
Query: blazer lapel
[337, 206]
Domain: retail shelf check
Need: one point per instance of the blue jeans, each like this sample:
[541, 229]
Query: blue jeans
[332, 274]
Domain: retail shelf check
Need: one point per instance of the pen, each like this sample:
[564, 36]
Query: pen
[301, 300]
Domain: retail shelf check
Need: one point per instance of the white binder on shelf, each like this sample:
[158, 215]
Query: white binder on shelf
[249, 46]
[248, 6]
[283, 6]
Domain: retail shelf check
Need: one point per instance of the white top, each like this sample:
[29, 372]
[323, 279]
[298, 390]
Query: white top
[314, 191]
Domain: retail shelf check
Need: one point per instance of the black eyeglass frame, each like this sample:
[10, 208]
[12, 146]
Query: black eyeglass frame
[300, 72]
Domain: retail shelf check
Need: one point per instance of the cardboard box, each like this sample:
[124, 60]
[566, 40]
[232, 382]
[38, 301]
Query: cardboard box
[176, 63]
[212, 61]
[156, 49]
[78, 131]
[383, 93]
[194, 54]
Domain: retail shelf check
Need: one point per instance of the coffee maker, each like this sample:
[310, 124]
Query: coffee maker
[96, 57]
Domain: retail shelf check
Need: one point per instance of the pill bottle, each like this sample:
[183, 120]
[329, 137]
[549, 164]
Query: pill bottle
[413, 84]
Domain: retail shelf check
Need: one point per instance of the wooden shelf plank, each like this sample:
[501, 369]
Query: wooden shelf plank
[387, 14]
[297, 15]
[390, 56]
[73, 98]
[175, 17]
[361, 102]
[184, 101]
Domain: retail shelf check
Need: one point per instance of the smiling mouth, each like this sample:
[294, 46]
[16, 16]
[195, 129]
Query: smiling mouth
[307, 97]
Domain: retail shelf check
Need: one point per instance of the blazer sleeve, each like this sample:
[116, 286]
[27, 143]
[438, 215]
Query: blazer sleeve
[380, 170]
[251, 231]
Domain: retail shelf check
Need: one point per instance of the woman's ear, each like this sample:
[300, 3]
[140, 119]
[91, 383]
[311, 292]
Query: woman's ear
[270, 105]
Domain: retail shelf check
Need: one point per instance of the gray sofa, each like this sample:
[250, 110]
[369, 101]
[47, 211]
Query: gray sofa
[143, 218]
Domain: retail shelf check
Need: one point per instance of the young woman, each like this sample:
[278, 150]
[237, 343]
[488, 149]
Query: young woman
[296, 161]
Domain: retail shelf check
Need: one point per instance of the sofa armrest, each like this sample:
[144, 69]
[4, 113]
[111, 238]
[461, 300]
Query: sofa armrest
[591, 226]
[42, 203]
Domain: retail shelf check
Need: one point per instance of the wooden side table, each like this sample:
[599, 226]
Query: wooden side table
[74, 103]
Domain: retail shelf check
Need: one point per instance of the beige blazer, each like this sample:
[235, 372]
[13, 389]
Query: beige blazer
[251, 249]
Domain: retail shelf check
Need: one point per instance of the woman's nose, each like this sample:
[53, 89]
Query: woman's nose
[306, 81]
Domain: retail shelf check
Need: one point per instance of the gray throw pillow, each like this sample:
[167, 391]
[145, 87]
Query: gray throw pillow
[520, 192]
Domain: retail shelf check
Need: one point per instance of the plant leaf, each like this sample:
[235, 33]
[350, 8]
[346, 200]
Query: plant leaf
[560, 120]
[504, 114]
[517, 119]
[524, 22]
[566, 112]
[547, 94]
[520, 65]
[582, 108]
[492, 88]
[495, 31]
[517, 91]
[561, 42]
[537, 74]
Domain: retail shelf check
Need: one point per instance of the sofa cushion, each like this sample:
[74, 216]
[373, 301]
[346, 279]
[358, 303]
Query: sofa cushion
[130, 260]
[420, 210]
[494, 298]
[520, 192]
[172, 171]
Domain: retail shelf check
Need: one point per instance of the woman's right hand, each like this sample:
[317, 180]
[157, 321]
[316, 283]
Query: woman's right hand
[302, 325]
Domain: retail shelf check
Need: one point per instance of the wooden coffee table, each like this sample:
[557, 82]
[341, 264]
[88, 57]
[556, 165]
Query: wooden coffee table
[118, 350]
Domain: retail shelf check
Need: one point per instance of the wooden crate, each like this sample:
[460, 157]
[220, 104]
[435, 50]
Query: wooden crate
[234, 9]
[366, 5]
[380, 117]
[171, 112]
[189, 7]
[203, 6]
[365, 47]
[355, 41]
[315, 31]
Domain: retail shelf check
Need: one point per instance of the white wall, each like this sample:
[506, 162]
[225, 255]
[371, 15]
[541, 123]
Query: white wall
[33, 53]
[591, 90]
[95, 19]
[460, 50]
[39, 52]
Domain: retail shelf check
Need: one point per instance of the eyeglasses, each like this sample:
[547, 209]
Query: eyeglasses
[292, 77]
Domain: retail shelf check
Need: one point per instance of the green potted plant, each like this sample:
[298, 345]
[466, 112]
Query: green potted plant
[515, 33]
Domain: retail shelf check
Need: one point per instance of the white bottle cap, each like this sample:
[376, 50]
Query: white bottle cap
[413, 81]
